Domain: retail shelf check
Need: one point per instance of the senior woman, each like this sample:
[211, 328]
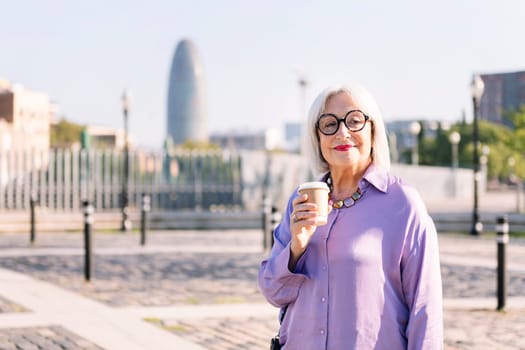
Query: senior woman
[369, 278]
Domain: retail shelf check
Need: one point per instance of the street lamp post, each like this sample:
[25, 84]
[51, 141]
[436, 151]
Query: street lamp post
[454, 139]
[415, 129]
[126, 222]
[477, 86]
[514, 180]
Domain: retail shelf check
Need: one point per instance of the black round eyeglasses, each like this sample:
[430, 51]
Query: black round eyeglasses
[354, 120]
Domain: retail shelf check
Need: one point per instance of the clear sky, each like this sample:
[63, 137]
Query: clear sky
[416, 57]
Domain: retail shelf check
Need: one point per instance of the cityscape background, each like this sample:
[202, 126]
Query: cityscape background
[90, 91]
[416, 58]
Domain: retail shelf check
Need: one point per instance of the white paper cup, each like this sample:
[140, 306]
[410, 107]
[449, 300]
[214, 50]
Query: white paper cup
[317, 192]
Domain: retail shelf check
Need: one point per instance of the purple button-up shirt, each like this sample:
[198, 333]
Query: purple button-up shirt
[369, 278]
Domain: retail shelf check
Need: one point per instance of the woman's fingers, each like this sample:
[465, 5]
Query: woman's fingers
[302, 210]
[304, 214]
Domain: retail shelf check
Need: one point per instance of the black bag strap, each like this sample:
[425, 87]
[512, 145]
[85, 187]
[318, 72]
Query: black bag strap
[282, 314]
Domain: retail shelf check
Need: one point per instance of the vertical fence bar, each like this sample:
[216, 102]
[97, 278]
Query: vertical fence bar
[35, 165]
[42, 178]
[107, 180]
[97, 179]
[67, 181]
[18, 183]
[59, 179]
[51, 181]
[75, 180]
[10, 183]
[26, 192]
[115, 189]
[3, 179]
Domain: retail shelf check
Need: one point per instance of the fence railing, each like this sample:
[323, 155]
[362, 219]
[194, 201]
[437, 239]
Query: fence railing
[61, 179]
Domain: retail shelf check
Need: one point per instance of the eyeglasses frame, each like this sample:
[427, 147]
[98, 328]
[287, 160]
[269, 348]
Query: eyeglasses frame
[341, 120]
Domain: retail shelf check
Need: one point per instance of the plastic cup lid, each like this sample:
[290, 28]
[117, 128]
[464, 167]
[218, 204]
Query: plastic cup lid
[314, 185]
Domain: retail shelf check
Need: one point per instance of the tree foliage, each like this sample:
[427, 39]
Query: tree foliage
[502, 146]
[64, 134]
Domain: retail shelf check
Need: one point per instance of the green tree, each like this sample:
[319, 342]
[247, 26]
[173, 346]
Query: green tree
[501, 142]
[199, 145]
[435, 151]
[64, 134]
[516, 117]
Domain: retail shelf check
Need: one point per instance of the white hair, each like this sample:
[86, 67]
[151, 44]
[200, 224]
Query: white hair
[380, 149]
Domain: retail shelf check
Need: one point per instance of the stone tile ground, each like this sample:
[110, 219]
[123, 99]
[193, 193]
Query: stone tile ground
[43, 338]
[185, 278]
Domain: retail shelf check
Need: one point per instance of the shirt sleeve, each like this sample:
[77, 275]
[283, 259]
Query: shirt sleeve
[278, 284]
[421, 278]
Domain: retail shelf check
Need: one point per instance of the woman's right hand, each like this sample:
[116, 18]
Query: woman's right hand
[302, 226]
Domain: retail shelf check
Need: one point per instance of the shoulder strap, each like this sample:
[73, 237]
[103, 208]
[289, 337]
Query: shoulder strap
[283, 312]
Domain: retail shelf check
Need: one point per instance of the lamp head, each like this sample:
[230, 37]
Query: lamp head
[477, 87]
[415, 128]
[454, 137]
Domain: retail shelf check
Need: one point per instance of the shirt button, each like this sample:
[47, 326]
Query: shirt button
[323, 299]
[324, 267]
[322, 331]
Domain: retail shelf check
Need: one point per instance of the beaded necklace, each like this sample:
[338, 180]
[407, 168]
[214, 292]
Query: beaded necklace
[347, 202]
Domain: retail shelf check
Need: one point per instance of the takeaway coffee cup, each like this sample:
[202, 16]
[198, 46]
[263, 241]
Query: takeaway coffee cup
[317, 193]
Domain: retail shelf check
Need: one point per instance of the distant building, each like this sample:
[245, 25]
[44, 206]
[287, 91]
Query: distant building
[268, 139]
[187, 115]
[103, 137]
[503, 92]
[25, 117]
[401, 139]
[292, 137]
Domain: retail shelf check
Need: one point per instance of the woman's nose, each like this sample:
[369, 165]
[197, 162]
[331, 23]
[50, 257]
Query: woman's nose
[342, 131]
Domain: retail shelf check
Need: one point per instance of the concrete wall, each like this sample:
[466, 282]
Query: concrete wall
[289, 170]
[434, 183]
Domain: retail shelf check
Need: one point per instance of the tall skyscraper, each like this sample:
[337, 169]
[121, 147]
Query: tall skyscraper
[503, 92]
[187, 113]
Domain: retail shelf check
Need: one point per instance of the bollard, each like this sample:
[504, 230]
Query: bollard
[266, 222]
[145, 207]
[88, 221]
[502, 237]
[275, 220]
[32, 204]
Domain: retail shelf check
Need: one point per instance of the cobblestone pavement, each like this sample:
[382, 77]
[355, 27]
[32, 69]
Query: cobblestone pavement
[484, 329]
[189, 277]
[48, 338]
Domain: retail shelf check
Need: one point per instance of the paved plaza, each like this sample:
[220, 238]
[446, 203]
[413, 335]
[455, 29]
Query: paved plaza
[198, 290]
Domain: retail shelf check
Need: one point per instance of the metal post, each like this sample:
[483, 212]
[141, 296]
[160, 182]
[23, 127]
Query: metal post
[267, 202]
[266, 222]
[126, 223]
[502, 232]
[477, 226]
[88, 221]
[145, 207]
[519, 196]
[275, 220]
[32, 203]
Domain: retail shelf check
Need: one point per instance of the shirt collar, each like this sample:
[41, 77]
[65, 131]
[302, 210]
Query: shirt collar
[373, 176]
[376, 177]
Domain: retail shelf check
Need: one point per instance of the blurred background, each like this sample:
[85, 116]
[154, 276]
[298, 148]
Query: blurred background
[201, 105]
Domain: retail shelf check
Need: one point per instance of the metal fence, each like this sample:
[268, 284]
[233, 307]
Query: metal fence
[61, 179]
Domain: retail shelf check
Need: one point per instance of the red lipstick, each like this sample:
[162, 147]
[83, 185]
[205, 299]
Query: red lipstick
[343, 147]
